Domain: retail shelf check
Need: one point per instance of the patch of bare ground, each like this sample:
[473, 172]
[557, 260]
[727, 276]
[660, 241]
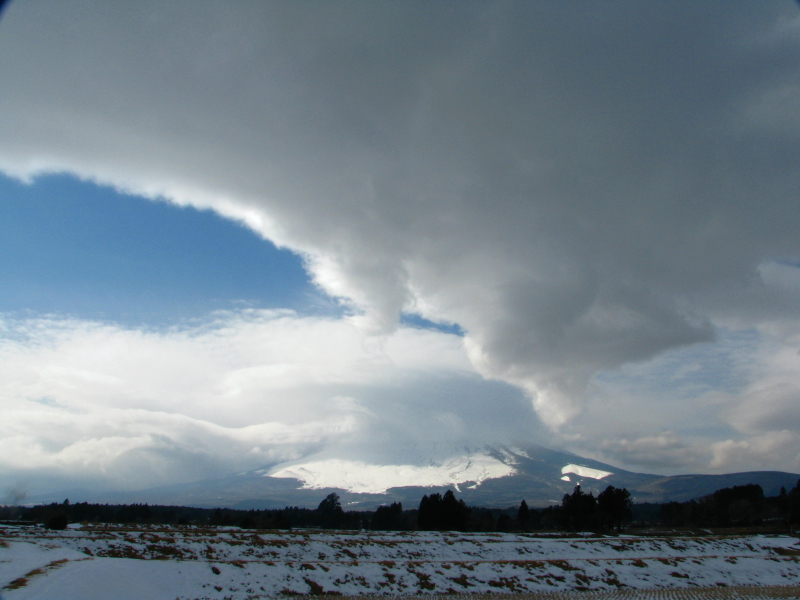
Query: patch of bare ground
[317, 590]
[23, 581]
[562, 564]
[638, 562]
[512, 583]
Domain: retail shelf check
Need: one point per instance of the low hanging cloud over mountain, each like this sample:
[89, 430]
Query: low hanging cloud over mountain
[601, 195]
[102, 404]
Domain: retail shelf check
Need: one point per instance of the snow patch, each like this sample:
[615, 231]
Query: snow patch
[565, 478]
[363, 478]
[584, 472]
[509, 457]
[520, 452]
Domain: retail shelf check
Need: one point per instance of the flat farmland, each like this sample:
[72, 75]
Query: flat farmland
[186, 563]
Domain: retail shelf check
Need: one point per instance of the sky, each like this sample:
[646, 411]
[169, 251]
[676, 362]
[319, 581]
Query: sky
[241, 235]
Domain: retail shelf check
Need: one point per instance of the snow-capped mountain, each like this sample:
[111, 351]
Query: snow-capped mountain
[364, 478]
[498, 476]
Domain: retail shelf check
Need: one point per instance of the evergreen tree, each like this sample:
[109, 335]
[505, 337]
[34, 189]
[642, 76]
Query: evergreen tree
[523, 516]
[437, 513]
[578, 510]
[388, 518]
[250, 521]
[614, 507]
[454, 514]
[330, 513]
[793, 503]
[428, 513]
[504, 523]
[737, 505]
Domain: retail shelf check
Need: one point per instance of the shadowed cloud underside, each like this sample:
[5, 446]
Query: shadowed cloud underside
[591, 209]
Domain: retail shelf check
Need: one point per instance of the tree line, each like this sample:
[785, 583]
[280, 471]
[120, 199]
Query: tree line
[739, 506]
[611, 510]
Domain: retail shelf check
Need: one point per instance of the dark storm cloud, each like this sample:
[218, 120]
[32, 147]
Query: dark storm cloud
[578, 185]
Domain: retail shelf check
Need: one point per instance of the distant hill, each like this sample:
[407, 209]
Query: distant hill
[540, 476]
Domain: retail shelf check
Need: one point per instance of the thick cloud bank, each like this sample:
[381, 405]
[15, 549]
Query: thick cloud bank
[108, 406]
[580, 186]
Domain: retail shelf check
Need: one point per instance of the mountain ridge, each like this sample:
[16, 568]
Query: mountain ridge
[539, 475]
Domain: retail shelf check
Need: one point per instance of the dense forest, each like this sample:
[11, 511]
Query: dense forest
[612, 510]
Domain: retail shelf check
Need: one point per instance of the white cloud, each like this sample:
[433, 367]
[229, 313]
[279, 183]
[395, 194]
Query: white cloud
[129, 408]
[658, 452]
[727, 405]
[759, 452]
[580, 187]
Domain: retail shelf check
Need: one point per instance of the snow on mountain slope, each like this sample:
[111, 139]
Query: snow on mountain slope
[363, 478]
[581, 471]
[494, 476]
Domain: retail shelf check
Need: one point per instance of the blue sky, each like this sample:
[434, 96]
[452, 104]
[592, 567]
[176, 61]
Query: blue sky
[572, 224]
[80, 249]
[77, 248]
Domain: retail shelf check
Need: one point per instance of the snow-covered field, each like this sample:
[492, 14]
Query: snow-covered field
[144, 563]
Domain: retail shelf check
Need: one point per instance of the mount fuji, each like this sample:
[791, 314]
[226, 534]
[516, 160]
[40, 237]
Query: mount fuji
[495, 476]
